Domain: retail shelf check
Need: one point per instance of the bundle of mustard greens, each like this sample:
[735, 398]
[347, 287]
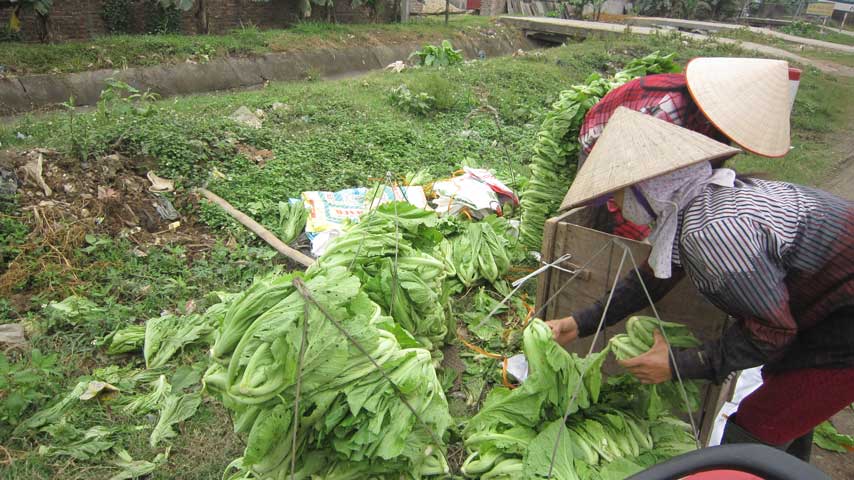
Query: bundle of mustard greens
[556, 148]
[350, 419]
[607, 435]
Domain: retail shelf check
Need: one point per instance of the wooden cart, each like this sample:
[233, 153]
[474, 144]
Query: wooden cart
[573, 233]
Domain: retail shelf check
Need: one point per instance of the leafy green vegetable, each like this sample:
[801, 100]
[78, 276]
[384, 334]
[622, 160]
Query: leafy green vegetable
[351, 417]
[53, 413]
[73, 443]
[553, 162]
[151, 401]
[128, 339]
[74, 310]
[603, 435]
[397, 235]
[175, 409]
[167, 334]
[136, 468]
[827, 437]
[482, 251]
[292, 218]
[637, 341]
[438, 56]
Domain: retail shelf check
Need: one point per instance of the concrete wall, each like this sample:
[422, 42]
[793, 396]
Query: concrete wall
[21, 94]
[82, 19]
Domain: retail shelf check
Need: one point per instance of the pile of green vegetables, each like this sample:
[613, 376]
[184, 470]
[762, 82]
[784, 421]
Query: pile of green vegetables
[358, 391]
[348, 419]
[387, 279]
[554, 160]
[484, 250]
[607, 435]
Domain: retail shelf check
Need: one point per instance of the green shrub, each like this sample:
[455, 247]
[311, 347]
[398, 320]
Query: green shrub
[159, 19]
[419, 103]
[438, 55]
[117, 16]
[702, 11]
[437, 87]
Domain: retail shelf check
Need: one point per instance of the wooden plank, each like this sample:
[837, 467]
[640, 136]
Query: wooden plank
[549, 235]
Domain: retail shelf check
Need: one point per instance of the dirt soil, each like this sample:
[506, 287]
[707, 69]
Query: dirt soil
[839, 466]
[108, 196]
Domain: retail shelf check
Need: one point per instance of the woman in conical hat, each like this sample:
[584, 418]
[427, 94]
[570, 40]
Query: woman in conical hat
[743, 100]
[777, 257]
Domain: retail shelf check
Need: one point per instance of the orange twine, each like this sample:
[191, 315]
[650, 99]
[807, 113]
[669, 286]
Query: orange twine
[504, 379]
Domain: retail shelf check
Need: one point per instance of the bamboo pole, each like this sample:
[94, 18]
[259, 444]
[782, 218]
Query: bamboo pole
[258, 229]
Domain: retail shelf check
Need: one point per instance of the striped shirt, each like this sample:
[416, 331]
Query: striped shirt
[777, 257]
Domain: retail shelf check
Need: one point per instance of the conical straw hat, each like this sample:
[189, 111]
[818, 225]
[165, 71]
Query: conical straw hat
[745, 98]
[635, 147]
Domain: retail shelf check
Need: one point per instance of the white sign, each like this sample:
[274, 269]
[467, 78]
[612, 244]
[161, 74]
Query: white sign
[844, 7]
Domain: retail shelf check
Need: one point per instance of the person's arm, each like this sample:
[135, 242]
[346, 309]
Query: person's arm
[628, 298]
[731, 261]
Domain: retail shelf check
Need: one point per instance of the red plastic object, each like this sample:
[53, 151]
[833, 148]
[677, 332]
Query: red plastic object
[472, 4]
[722, 475]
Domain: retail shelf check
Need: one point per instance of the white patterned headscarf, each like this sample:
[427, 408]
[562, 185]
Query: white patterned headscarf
[666, 195]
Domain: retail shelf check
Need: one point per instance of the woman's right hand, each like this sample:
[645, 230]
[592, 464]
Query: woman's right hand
[565, 330]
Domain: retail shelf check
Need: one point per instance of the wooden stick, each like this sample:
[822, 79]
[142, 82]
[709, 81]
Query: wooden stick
[259, 230]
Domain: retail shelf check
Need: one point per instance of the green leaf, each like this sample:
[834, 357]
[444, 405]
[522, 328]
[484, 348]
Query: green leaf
[136, 468]
[539, 456]
[827, 437]
[54, 412]
[175, 410]
[85, 446]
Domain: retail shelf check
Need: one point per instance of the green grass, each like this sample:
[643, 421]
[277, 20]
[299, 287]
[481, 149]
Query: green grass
[746, 35]
[816, 53]
[840, 58]
[809, 30]
[330, 135]
[121, 51]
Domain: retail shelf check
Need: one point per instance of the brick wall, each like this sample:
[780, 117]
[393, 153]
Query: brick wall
[81, 19]
[493, 8]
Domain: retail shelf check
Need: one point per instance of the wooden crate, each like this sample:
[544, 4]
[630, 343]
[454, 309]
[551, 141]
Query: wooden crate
[570, 233]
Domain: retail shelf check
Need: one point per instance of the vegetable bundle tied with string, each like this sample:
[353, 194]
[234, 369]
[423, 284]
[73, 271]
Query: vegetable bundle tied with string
[349, 415]
[637, 341]
[387, 251]
[556, 147]
[606, 435]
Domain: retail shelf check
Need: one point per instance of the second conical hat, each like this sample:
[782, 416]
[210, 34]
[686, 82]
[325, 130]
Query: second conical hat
[634, 147]
[747, 99]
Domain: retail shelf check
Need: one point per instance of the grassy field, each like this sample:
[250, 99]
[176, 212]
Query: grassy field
[809, 30]
[122, 51]
[316, 135]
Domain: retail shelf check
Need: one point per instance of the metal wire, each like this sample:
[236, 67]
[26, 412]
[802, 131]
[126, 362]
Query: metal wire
[587, 367]
[306, 294]
[496, 117]
[394, 273]
[364, 234]
[669, 350]
[298, 392]
[519, 284]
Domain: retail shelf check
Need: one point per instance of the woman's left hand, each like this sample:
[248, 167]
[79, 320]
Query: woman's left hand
[653, 366]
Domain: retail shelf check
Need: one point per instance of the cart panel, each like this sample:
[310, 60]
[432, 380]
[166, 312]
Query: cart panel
[568, 234]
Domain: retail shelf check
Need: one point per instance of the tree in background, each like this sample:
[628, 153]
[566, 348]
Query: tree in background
[699, 9]
[42, 11]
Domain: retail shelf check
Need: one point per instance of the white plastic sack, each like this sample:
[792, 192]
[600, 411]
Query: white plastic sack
[747, 382]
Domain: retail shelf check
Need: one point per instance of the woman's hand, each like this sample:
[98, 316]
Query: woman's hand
[653, 366]
[565, 330]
